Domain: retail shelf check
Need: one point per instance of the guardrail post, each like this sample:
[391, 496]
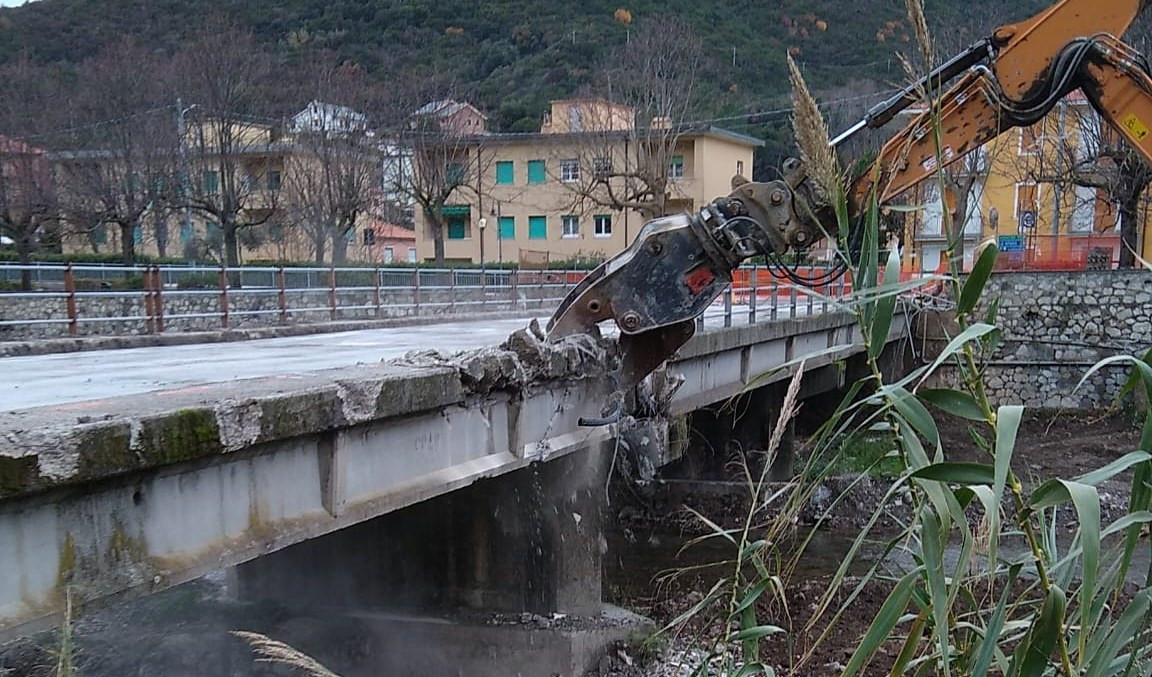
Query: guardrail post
[332, 293]
[774, 300]
[416, 289]
[376, 290]
[452, 290]
[223, 278]
[728, 306]
[811, 298]
[752, 296]
[158, 303]
[512, 275]
[70, 287]
[149, 300]
[281, 283]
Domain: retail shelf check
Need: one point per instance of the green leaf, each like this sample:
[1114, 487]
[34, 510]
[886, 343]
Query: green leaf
[954, 402]
[885, 307]
[974, 285]
[1122, 634]
[958, 473]
[1036, 651]
[1007, 426]
[886, 619]
[991, 640]
[932, 539]
[915, 413]
[1114, 468]
[753, 594]
[757, 632]
[993, 311]
[970, 334]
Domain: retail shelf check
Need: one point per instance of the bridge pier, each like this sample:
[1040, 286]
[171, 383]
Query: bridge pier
[503, 573]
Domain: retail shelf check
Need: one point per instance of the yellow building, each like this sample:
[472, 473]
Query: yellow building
[1025, 196]
[529, 197]
[257, 172]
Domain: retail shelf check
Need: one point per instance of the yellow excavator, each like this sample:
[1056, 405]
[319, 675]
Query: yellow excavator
[680, 264]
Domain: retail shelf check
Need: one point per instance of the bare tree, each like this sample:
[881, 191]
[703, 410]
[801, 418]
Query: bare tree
[235, 157]
[28, 212]
[334, 174]
[27, 199]
[434, 156]
[122, 162]
[630, 166]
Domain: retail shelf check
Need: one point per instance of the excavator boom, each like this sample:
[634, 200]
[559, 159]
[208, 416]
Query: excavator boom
[680, 264]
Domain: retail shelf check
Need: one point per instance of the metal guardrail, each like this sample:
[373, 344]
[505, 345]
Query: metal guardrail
[757, 292]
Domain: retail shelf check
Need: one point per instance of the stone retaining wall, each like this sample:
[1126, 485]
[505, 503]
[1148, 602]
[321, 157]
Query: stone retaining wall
[124, 313]
[1056, 326]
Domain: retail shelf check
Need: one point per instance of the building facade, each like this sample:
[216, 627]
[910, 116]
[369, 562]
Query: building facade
[527, 199]
[1029, 195]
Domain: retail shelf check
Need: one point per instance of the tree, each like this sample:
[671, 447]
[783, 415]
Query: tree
[629, 166]
[234, 156]
[432, 158]
[27, 190]
[123, 164]
[334, 174]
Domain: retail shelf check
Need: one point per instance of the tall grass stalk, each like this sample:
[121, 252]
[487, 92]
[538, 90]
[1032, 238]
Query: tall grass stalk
[964, 606]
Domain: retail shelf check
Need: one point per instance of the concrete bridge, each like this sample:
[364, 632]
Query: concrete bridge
[134, 494]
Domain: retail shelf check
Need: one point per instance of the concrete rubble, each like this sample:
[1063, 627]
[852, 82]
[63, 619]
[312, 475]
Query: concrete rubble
[47, 447]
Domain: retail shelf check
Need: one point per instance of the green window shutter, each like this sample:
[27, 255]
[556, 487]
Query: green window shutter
[100, 235]
[537, 227]
[505, 173]
[185, 233]
[456, 210]
[507, 228]
[536, 172]
[457, 228]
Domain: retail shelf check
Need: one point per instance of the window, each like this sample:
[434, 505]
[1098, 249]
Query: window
[274, 180]
[602, 225]
[211, 182]
[740, 167]
[575, 120]
[571, 227]
[507, 228]
[569, 170]
[388, 255]
[369, 237]
[602, 166]
[411, 255]
[1027, 204]
[185, 233]
[132, 182]
[100, 235]
[505, 173]
[453, 174]
[350, 236]
[676, 167]
[537, 228]
[457, 227]
[1030, 140]
[536, 173]
[137, 235]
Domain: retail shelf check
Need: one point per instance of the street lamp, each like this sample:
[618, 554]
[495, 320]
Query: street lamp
[499, 235]
[483, 223]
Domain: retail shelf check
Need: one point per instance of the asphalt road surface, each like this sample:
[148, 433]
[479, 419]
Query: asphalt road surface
[42, 380]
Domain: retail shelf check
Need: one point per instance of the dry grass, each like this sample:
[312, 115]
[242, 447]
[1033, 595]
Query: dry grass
[269, 650]
[920, 28]
[812, 134]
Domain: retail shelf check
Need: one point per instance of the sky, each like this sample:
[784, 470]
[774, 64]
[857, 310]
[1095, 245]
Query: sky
[11, 3]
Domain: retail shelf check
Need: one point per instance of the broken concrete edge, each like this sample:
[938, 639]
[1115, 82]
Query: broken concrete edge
[50, 447]
[89, 343]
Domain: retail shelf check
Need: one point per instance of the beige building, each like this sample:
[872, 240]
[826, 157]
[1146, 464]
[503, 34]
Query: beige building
[529, 197]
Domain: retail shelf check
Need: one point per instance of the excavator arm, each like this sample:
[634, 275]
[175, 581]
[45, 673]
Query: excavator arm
[678, 265]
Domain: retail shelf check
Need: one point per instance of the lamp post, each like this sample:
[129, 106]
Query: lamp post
[499, 235]
[483, 223]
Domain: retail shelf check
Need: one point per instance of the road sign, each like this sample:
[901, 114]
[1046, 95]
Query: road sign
[1011, 243]
[1028, 220]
